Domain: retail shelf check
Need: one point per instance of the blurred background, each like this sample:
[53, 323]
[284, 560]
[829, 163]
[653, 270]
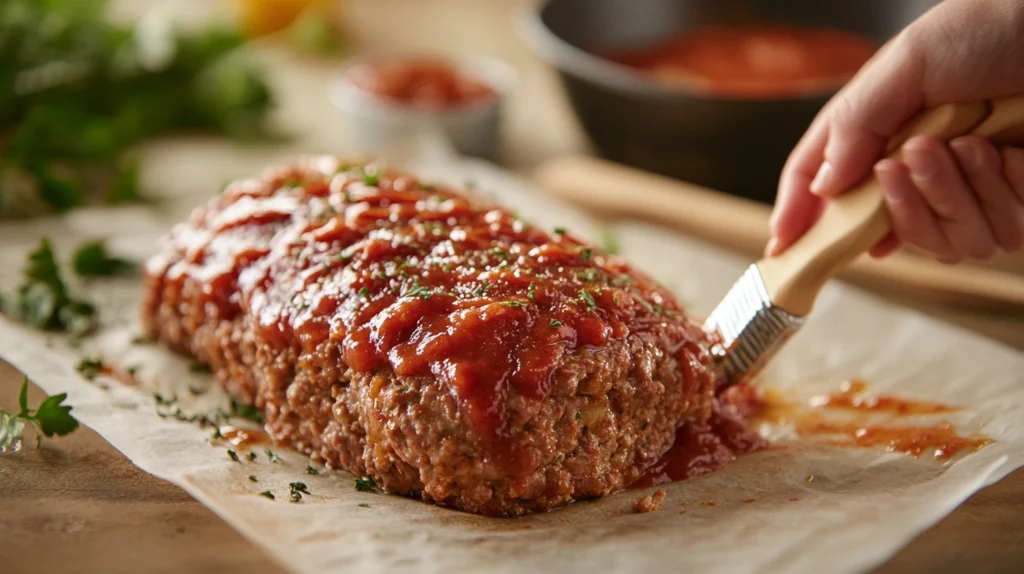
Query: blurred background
[119, 101]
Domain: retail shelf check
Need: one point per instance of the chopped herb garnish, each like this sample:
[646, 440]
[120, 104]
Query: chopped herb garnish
[270, 455]
[418, 291]
[161, 400]
[296, 490]
[482, 290]
[589, 275]
[89, 367]
[92, 260]
[233, 455]
[43, 301]
[268, 494]
[531, 291]
[49, 419]
[559, 231]
[251, 455]
[371, 176]
[499, 252]
[252, 477]
[311, 470]
[217, 434]
[555, 323]
[579, 415]
[363, 505]
[198, 367]
[586, 253]
[365, 484]
[248, 412]
[513, 304]
[428, 186]
[559, 459]
[364, 292]
[588, 299]
[405, 389]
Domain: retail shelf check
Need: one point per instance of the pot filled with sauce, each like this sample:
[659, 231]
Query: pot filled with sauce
[713, 92]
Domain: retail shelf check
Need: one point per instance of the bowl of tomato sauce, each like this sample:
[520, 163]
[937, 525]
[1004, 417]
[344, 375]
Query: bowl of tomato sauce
[713, 92]
[387, 99]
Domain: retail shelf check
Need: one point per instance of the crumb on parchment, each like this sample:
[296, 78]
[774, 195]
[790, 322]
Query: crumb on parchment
[649, 502]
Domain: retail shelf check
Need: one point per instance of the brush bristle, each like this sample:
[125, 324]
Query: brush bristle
[752, 328]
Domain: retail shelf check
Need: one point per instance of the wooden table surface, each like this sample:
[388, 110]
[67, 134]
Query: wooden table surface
[79, 505]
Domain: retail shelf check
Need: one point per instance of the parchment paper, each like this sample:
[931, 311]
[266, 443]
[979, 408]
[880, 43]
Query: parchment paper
[861, 506]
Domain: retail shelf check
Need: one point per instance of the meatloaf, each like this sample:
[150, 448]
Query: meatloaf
[436, 343]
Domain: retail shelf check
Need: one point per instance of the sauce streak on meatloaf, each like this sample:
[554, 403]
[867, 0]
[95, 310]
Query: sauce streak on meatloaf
[438, 344]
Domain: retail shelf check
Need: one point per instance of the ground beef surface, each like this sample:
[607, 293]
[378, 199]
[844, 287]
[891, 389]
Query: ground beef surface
[440, 345]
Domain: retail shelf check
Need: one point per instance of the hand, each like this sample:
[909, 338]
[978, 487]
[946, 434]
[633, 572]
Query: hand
[962, 200]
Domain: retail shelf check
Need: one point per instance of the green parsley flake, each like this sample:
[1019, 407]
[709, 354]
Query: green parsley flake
[268, 494]
[513, 304]
[251, 455]
[371, 176]
[252, 477]
[418, 291]
[559, 231]
[579, 415]
[363, 505]
[588, 299]
[92, 260]
[586, 253]
[270, 455]
[555, 323]
[90, 368]
[531, 291]
[311, 470]
[365, 484]
[233, 455]
[364, 292]
[198, 367]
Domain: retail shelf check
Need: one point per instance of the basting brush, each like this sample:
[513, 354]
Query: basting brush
[773, 298]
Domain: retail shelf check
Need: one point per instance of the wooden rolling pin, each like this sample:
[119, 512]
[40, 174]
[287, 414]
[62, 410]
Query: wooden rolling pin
[616, 191]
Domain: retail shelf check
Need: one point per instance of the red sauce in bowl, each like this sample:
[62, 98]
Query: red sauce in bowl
[762, 61]
[424, 83]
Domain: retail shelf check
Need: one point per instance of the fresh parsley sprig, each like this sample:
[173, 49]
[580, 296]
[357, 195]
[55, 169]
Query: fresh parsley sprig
[51, 418]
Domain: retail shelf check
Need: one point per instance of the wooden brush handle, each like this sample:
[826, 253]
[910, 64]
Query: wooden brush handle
[856, 220]
[617, 191]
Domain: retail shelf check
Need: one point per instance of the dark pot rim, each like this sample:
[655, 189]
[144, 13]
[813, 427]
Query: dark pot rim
[567, 58]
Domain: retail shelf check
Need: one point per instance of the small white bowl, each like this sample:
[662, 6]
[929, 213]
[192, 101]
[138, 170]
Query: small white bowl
[376, 124]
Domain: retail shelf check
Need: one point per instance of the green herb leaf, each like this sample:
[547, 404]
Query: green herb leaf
[90, 367]
[198, 367]
[54, 418]
[252, 477]
[586, 253]
[268, 494]
[311, 470]
[588, 299]
[233, 455]
[92, 260]
[555, 323]
[365, 484]
[248, 412]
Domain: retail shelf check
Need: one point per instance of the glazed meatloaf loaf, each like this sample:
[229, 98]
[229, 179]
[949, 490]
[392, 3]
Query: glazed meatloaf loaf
[440, 345]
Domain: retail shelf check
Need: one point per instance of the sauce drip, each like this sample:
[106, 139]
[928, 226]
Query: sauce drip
[762, 61]
[244, 437]
[850, 419]
[702, 448]
[850, 397]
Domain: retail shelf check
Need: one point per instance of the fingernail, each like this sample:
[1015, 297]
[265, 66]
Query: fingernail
[965, 149]
[771, 250]
[822, 179]
[922, 163]
[890, 193]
